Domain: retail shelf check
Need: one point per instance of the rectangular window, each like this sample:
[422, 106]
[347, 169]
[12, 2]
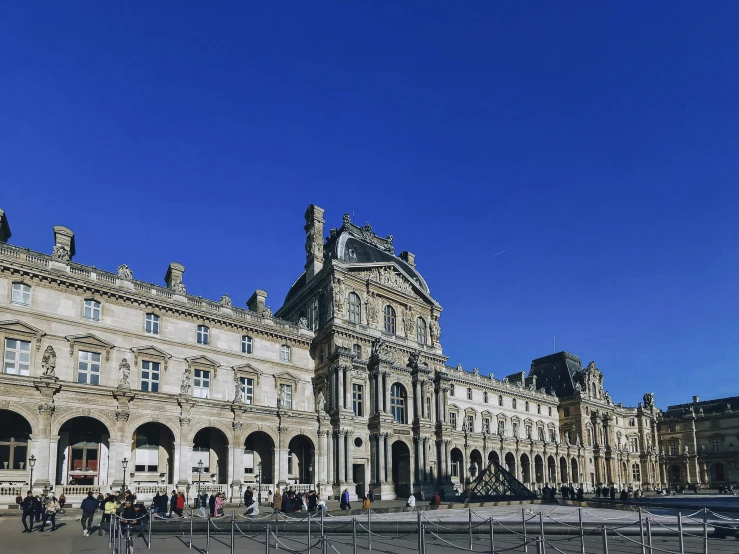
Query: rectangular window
[453, 420]
[673, 448]
[528, 431]
[88, 368]
[203, 334]
[288, 395]
[151, 325]
[470, 423]
[247, 346]
[501, 427]
[247, 390]
[428, 407]
[358, 399]
[149, 376]
[21, 294]
[201, 384]
[486, 425]
[632, 422]
[92, 310]
[540, 431]
[566, 412]
[552, 435]
[357, 351]
[285, 353]
[515, 429]
[672, 427]
[455, 469]
[633, 444]
[469, 394]
[716, 446]
[17, 357]
[538, 408]
[500, 400]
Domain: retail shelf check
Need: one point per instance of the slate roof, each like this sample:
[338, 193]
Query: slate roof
[713, 406]
[558, 372]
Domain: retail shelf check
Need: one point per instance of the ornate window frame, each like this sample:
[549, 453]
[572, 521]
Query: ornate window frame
[454, 409]
[92, 298]
[205, 363]
[287, 378]
[389, 319]
[15, 329]
[88, 342]
[20, 281]
[357, 307]
[151, 353]
[158, 323]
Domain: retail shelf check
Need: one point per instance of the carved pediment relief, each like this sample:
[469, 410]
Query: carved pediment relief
[90, 341]
[285, 377]
[390, 277]
[248, 370]
[150, 352]
[15, 327]
[203, 362]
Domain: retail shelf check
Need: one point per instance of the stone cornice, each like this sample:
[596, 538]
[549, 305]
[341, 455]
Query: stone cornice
[148, 296]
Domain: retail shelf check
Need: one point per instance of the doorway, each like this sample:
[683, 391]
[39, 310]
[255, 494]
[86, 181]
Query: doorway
[358, 478]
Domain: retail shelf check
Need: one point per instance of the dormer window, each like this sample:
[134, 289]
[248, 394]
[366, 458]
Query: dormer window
[354, 308]
[285, 354]
[247, 344]
[92, 310]
[21, 294]
[389, 319]
[421, 330]
[151, 324]
[203, 335]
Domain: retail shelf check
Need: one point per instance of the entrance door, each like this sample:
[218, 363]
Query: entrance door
[358, 478]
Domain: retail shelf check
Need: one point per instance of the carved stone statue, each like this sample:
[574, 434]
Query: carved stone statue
[339, 295]
[124, 372]
[347, 219]
[686, 450]
[413, 360]
[186, 383]
[303, 323]
[281, 397]
[239, 390]
[320, 402]
[373, 309]
[435, 330]
[48, 362]
[567, 437]
[578, 388]
[226, 301]
[649, 400]
[409, 321]
[61, 253]
[267, 312]
[124, 272]
[378, 347]
[178, 286]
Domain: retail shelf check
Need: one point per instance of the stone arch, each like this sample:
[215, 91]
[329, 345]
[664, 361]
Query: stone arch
[259, 446]
[29, 413]
[718, 473]
[574, 470]
[510, 463]
[213, 448]
[493, 457]
[476, 458]
[456, 461]
[311, 434]
[563, 470]
[551, 469]
[401, 457]
[247, 430]
[525, 468]
[223, 426]
[83, 450]
[137, 421]
[63, 415]
[301, 457]
[15, 432]
[539, 468]
[152, 452]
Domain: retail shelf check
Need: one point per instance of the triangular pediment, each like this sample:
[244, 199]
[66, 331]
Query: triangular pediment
[17, 326]
[248, 369]
[150, 351]
[389, 275]
[90, 339]
[285, 376]
[203, 362]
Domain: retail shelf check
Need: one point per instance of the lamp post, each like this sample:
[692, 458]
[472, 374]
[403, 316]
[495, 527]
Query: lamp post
[31, 463]
[200, 472]
[124, 463]
[259, 485]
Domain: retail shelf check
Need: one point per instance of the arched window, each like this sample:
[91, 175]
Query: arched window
[421, 330]
[469, 394]
[513, 402]
[354, 307]
[389, 320]
[500, 400]
[397, 402]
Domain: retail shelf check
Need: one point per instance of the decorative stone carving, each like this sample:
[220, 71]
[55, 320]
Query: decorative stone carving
[649, 400]
[413, 360]
[367, 233]
[178, 286]
[186, 384]
[267, 312]
[61, 253]
[48, 361]
[409, 321]
[46, 409]
[320, 402]
[124, 372]
[121, 415]
[373, 309]
[379, 347]
[347, 219]
[238, 390]
[281, 397]
[226, 301]
[303, 323]
[435, 330]
[124, 272]
[339, 295]
[185, 420]
[236, 425]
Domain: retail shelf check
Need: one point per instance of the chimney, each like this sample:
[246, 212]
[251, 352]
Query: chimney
[4, 227]
[696, 399]
[408, 258]
[173, 278]
[313, 241]
[63, 244]
[257, 301]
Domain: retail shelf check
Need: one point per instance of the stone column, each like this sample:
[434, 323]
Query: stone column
[442, 460]
[422, 399]
[416, 413]
[447, 455]
[417, 445]
[377, 402]
[342, 457]
[44, 449]
[184, 453]
[389, 454]
[341, 399]
[236, 458]
[282, 455]
[329, 440]
[348, 389]
[424, 474]
[386, 392]
[379, 459]
[322, 458]
[445, 405]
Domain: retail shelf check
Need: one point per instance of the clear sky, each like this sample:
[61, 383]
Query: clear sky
[594, 144]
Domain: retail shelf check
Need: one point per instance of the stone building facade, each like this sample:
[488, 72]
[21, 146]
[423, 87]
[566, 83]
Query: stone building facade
[108, 380]
[698, 442]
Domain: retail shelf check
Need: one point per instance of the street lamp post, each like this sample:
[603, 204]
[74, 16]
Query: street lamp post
[31, 463]
[200, 472]
[124, 463]
[259, 485]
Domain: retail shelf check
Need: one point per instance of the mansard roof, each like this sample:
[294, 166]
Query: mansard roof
[559, 372]
[714, 406]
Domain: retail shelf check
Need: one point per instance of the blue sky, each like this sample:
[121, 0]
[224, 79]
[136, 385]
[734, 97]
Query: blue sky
[594, 142]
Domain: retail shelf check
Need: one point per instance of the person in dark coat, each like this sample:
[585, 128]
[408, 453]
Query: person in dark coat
[29, 511]
[163, 501]
[287, 505]
[312, 501]
[613, 493]
[248, 496]
[173, 503]
[38, 507]
[212, 505]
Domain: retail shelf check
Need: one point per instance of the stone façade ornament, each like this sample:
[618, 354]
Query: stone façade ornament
[320, 402]
[303, 323]
[124, 272]
[124, 372]
[48, 362]
[61, 253]
[226, 301]
[186, 384]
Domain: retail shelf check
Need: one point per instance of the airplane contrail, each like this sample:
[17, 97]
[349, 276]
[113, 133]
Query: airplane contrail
[498, 254]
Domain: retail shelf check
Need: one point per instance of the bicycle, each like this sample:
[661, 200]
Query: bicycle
[128, 538]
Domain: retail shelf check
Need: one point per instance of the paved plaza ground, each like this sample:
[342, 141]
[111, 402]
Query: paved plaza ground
[391, 532]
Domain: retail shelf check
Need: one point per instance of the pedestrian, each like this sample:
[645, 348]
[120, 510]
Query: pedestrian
[89, 506]
[371, 495]
[345, 500]
[203, 501]
[62, 501]
[218, 505]
[155, 503]
[109, 507]
[613, 493]
[411, 502]
[212, 505]
[287, 506]
[312, 501]
[423, 495]
[29, 511]
[248, 495]
[51, 507]
[270, 499]
[173, 502]
[180, 503]
[366, 503]
[38, 507]
[277, 501]
[436, 500]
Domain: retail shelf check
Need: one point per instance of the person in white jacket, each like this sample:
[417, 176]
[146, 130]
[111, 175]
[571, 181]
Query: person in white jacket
[411, 502]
